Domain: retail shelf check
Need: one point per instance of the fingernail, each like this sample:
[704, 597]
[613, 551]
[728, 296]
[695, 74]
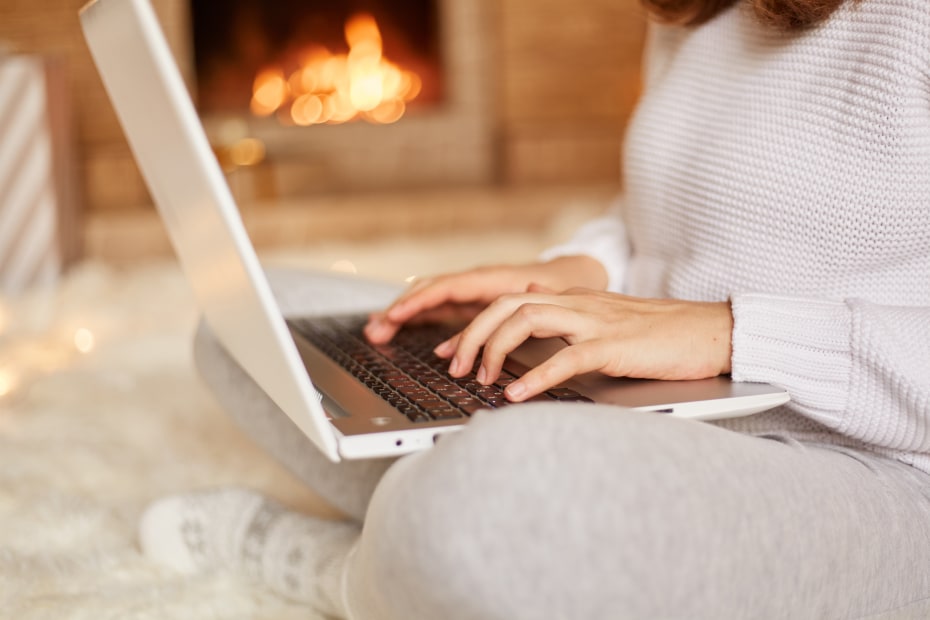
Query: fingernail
[482, 376]
[444, 349]
[515, 390]
[454, 366]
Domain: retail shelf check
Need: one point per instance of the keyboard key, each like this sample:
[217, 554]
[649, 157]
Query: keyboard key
[497, 402]
[568, 395]
[471, 405]
[418, 417]
[444, 413]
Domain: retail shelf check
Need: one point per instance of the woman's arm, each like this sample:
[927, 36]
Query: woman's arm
[605, 240]
[860, 368]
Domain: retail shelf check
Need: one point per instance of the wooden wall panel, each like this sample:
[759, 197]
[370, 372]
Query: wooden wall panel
[569, 79]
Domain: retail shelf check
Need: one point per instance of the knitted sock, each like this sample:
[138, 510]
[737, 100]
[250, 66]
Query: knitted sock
[297, 556]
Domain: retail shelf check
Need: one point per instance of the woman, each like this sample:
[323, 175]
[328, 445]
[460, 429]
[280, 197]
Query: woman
[775, 225]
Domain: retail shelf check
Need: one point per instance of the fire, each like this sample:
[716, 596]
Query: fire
[336, 88]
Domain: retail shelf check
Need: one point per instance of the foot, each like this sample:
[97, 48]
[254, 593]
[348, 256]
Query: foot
[297, 556]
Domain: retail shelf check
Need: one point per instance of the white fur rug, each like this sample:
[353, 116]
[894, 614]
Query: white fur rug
[101, 412]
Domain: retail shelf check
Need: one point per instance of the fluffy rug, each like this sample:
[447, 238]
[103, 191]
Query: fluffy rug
[101, 412]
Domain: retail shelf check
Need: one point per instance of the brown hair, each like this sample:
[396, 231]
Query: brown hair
[781, 14]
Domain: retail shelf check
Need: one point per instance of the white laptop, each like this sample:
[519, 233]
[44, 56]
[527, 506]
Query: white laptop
[313, 378]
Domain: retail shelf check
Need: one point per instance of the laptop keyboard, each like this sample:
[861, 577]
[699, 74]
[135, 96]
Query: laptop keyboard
[407, 374]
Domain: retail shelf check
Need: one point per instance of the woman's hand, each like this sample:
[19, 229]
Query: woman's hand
[461, 296]
[608, 333]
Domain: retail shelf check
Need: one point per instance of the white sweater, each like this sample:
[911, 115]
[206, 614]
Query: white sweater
[791, 175]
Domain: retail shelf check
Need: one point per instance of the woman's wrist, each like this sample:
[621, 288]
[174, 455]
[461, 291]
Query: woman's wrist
[724, 340]
[576, 271]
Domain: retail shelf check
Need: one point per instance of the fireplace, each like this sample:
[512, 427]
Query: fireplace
[306, 96]
[317, 62]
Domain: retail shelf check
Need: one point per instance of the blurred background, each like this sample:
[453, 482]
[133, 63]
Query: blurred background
[336, 120]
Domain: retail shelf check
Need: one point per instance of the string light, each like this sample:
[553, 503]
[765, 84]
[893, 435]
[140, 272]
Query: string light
[84, 340]
[344, 266]
[8, 382]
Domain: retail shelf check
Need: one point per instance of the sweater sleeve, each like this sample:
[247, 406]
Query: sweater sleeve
[860, 368]
[603, 239]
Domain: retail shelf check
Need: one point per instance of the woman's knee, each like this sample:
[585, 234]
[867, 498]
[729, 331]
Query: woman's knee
[517, 503]
[531, 514]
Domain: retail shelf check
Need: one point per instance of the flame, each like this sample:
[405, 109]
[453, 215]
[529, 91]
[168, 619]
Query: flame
[336, 88]
[269, 92]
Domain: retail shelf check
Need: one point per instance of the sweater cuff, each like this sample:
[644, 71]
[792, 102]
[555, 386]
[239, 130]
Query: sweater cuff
[801, 345]
[605, 241]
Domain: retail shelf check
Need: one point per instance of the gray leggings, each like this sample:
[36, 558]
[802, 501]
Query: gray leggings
[592, 512]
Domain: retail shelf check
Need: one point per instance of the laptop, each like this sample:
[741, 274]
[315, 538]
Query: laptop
[352, 401]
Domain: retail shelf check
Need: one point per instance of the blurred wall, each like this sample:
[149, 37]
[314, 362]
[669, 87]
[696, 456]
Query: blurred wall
[566, 77]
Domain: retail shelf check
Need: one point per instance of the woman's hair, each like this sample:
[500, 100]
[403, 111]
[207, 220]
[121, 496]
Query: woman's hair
[781, 14]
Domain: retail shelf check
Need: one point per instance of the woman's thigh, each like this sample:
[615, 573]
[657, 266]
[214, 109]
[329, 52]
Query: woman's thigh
[347, 485]
[593, 512]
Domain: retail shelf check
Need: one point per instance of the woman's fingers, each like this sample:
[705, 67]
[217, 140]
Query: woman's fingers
[480, 329]
[446, 349]
[381, 330]
[481, 286]
[528, 321]
[536, 287]
[466, 289]
[571, 361]
[478, 285]
[422, 297]
[511, 319]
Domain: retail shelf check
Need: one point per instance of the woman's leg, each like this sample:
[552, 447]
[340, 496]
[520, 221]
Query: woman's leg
[347, 485]
[298, 556]
[550, 512]
[544, 511]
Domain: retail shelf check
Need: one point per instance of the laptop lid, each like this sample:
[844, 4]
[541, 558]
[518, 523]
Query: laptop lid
[191, 194]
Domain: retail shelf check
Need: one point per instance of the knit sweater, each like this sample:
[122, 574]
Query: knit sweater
[790, 174]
